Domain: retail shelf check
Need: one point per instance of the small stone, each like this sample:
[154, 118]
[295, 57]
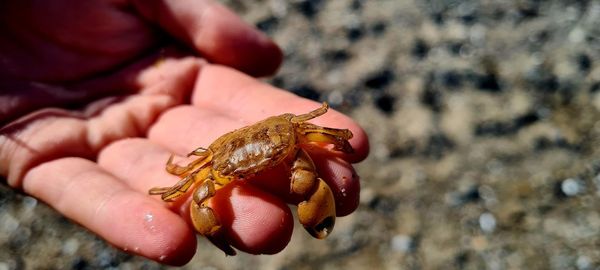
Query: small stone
[29, 203]
[385, 103]
[379, 80]
[106, 258]
[8, 223]
[402, 243]
[487, 222]
[70, 246]
[309, 8]
[583, 263]
[379, 28]
[597, 183]
[79, 263]
[571, 187]
[479, 243]
[420, 49]
[354, 33]
[488, 195]
[451, 79]
[268, 24]
[335, 98]
[576, 35]
[584, 62]
[488, 82]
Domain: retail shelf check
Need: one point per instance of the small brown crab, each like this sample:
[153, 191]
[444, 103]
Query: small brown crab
[247, 151]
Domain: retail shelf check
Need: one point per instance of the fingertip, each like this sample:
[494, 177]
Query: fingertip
[150, 230]
[360, 143]
[217, 33]
[226, 39]
[130, 221]
[342, 179]
[256, 222]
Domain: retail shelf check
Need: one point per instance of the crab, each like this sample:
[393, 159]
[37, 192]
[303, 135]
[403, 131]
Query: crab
[245, 152]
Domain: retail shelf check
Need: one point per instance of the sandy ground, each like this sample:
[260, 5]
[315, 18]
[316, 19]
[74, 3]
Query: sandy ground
[484, 125]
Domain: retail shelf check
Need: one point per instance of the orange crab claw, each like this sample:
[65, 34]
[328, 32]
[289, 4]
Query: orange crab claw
[317, 214]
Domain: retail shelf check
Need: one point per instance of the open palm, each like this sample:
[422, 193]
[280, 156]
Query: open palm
[95, 95]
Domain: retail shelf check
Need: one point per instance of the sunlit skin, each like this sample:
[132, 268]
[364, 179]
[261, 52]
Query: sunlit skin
[244, 153]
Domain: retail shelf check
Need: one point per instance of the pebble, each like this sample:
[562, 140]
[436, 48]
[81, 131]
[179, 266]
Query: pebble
[488, 195]
[583, 263]
[8, 223]
[79, 263]
[71, 246]
[402, 243]
[107, 258]
[385, 103]
[461, 197]
[420, 49]
[571, 187]
[335, 98]
[29, 203]
[597, 184]
[379, 80]
[487, 222]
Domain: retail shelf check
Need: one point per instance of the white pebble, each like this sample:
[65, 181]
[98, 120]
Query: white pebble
[487, 222]
[335, 98]
[70, 246]
[29, 203]
[583, 263]
[571, 187]
[8, 223]
[402, 243]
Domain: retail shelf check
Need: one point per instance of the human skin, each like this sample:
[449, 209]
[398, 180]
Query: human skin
[95, 96]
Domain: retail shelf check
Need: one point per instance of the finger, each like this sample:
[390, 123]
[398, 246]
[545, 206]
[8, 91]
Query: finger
[216, 32]
[342, 178]
[255, 221]
[54, 133]
[24, 96]
[243, 97]
[83, 192]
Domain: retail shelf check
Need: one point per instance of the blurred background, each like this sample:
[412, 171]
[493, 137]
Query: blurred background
[484, 124]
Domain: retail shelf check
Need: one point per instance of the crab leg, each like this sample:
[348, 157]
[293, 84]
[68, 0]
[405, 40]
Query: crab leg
[338, 137]
[200, 172]
[203, 216]
[168, 194]
[316, 113]
[204, 157]
[317, 212]
[200, 151]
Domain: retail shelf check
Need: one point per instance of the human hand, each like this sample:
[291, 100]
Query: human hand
[95, 161]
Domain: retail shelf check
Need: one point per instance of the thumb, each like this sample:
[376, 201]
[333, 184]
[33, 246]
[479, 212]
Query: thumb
[216, 33]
